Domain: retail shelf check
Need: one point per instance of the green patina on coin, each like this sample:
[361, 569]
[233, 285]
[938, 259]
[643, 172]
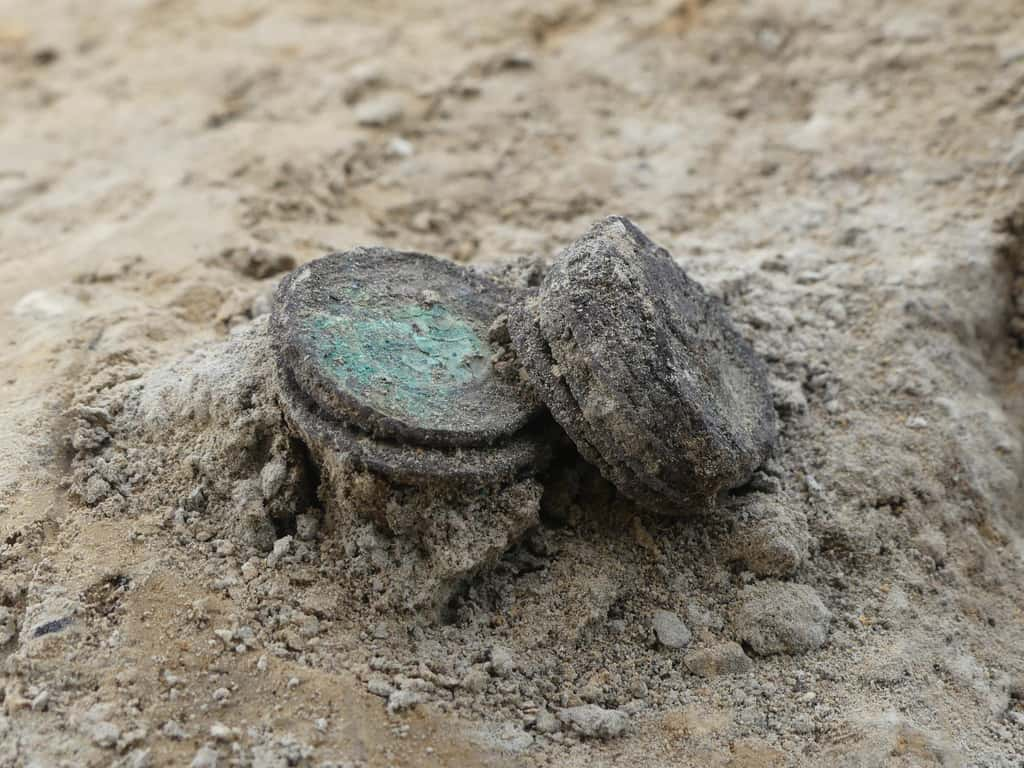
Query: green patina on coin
[404, 359]
[395, 344]
[333, 443]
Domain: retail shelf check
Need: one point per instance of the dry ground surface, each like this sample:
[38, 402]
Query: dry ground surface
[833, 170]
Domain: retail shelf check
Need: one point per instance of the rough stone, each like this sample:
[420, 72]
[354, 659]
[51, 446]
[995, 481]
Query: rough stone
[8, 625]
[670, 630]
[476, 679]
[380, 111]
[780, 617]
[306, 527]
[502, 661]
[105, 734]
[380, 687]
[592, 721]
[205, 757]
[771, 538]
[400, 701]
[725, 658]
[547, 722]
[504, 737]
[173, 730]
[258, 263]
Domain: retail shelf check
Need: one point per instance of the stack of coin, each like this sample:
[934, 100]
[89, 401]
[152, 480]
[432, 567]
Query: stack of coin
[644, 370]
[384, 369]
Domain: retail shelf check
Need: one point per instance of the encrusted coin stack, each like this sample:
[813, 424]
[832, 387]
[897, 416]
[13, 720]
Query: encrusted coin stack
[644, 371]
[385, 372]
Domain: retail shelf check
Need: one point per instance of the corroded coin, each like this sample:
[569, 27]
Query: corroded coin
[340, 449]
[644, 371]
[396, 344]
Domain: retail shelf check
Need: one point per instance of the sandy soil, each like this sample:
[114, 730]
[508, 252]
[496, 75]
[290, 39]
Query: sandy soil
[832, 170]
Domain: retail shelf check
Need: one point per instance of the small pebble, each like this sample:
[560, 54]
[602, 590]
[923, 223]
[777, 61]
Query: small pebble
[226, 635]
[379, 111]
[399, 147]
[139, 758]
[380, 687]
[400, 701]
[281, 548]
[476, 679]
[273, 476]
[206, 757]
[41, 701]
[220, 732]
[592, 721]
[723, 659]
[502, 663]
[173, 730]
[780, 617]
[670, 630]
[547, 723]
[306, 527]
[105, 734]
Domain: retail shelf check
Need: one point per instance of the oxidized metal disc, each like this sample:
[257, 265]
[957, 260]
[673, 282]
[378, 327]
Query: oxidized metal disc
[644, 371]
[338, 446]
[544, 371]
[396, 344]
